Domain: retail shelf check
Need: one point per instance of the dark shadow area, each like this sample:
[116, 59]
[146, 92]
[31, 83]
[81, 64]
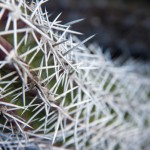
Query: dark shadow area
[121, 26]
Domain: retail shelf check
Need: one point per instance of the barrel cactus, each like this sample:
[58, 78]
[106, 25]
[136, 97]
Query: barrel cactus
[57, 93]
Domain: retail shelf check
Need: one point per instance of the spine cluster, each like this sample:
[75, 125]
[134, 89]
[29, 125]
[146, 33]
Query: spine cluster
[55, 92]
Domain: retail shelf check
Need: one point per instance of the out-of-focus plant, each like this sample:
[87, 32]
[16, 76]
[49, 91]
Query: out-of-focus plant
[57, 93]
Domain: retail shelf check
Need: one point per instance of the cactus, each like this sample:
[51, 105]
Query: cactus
[57, 93]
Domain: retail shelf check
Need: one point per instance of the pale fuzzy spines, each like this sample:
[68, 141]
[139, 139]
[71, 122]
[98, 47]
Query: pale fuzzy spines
[95, 95]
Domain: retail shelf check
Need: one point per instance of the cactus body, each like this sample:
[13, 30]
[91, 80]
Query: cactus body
[57, 92]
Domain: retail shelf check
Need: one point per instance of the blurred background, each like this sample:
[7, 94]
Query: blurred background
[121, 26]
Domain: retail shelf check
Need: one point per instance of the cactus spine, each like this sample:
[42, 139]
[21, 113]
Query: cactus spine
[57, 93]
